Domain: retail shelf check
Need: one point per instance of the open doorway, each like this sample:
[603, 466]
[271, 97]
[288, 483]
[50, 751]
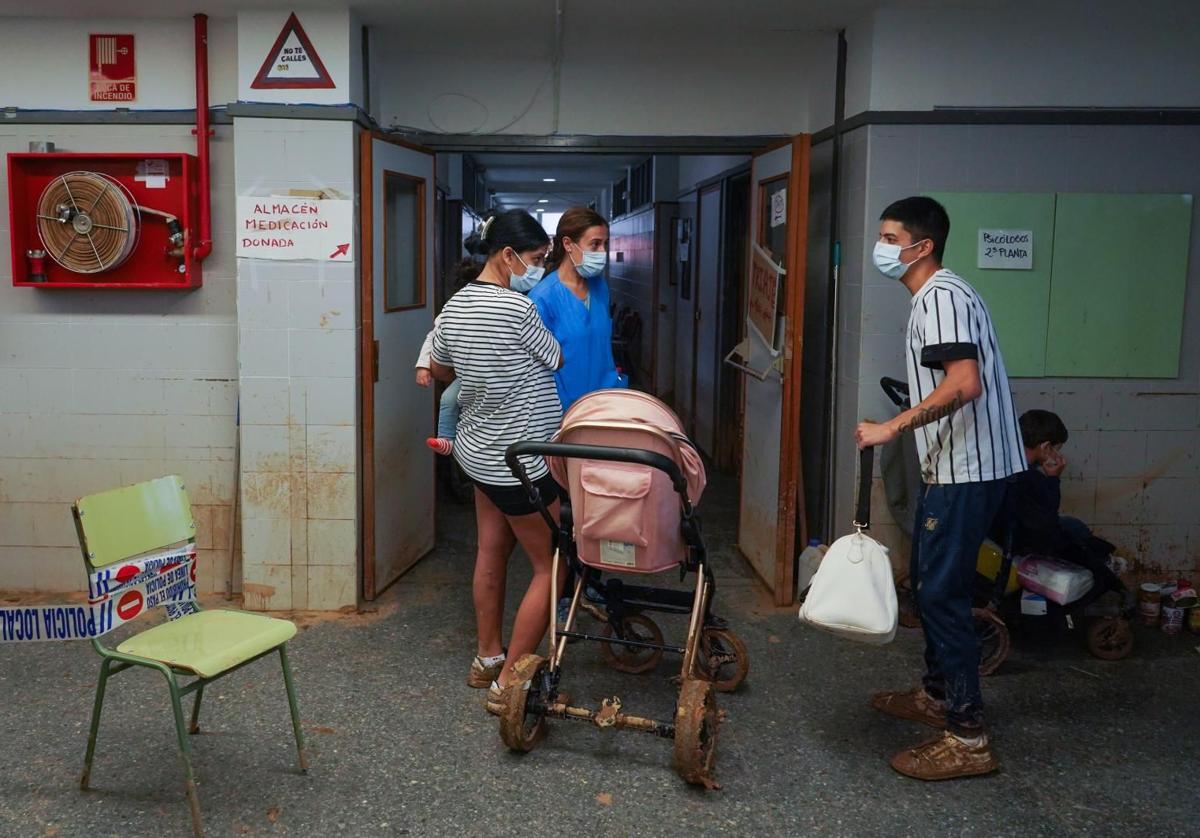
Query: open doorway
[678, 275]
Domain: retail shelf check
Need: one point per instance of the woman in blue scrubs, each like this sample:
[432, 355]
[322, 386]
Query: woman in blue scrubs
[573, 303]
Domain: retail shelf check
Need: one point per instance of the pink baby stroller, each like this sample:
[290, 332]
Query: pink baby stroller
[633, 480]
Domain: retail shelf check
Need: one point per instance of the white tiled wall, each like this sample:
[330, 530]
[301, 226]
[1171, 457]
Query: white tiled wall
[1134, 473]
[297, 344]
[104, 388]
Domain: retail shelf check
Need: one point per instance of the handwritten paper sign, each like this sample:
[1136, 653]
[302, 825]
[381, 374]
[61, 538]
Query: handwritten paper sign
[764, 294]
[779, 207]
[291, 228]
[1006, 250]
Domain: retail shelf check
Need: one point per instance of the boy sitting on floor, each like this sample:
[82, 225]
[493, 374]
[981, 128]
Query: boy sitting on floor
[1039, 529]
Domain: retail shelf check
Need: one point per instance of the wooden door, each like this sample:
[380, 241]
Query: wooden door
[770, 467]
[397, 298]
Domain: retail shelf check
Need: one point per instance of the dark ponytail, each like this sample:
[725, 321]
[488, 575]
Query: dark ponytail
[513, 228]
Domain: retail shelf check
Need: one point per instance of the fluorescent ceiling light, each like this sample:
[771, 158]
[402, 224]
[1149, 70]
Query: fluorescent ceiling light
[539, 209]
[543, 200]
[549, 180]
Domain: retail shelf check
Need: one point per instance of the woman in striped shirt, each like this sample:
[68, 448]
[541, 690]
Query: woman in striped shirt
[490, 337]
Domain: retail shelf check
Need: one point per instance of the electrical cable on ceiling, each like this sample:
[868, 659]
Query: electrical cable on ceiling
[553, 71]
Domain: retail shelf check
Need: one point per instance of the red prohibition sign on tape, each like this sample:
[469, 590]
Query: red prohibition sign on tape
[126, 573]
[192, 573]
[130, 605]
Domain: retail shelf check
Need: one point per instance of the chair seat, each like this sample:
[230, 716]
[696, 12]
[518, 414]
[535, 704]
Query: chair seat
[210, 642]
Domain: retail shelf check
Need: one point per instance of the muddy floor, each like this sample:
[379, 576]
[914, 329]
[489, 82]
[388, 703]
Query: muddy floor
[400, 745]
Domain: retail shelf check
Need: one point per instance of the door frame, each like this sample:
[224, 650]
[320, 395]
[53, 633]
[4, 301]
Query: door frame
[368, 355]
[698, 310]
[791, 476]
[791, 489]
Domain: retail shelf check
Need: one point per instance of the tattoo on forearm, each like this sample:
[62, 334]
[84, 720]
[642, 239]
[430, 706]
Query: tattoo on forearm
[932, 414]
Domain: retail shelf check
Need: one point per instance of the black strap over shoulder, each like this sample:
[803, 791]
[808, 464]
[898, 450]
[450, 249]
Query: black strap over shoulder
[866, 470]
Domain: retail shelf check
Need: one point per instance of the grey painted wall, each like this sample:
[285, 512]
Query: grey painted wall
[1134, 472]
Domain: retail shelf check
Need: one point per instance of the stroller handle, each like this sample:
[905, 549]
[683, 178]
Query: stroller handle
[896, 390]
[595, 452]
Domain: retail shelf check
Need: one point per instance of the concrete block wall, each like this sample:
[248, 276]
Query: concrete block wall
[297, 344]
[100, 389]
[1134, 474]
[631, 283]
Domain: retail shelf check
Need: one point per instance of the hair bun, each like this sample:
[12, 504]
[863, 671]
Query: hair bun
[475, 245]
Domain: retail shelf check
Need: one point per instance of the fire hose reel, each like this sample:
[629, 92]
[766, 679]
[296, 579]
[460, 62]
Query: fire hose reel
[88, 222]
[104, 226]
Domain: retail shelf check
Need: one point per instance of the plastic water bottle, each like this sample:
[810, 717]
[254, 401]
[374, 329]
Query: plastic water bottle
[810, 560]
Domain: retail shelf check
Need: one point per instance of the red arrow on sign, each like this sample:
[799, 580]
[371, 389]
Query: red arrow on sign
[341, 250]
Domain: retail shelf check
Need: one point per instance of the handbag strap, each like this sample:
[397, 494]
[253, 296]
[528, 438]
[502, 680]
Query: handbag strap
[862, 507]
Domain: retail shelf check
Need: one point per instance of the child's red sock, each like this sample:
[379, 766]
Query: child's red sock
[440, 445]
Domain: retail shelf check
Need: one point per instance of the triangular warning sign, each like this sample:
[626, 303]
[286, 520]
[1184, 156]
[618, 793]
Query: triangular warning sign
[292, 62]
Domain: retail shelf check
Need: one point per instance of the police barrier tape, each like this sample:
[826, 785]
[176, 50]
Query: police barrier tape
[116, 595]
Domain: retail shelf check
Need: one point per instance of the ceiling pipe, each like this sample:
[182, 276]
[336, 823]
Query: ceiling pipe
[203, 246]
[557, 59]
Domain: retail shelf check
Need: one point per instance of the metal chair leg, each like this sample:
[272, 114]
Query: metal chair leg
[291, 694]
[96, 708]
[185, 756]
[194, 727]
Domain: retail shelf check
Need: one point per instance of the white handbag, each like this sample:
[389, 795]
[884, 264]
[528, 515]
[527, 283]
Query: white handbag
[853, 593]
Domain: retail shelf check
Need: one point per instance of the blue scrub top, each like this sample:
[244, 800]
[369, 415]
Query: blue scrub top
[584, 332]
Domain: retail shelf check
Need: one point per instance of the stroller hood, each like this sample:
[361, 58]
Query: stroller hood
[635, 414]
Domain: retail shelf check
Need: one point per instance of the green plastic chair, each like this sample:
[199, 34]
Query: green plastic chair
[121, 524]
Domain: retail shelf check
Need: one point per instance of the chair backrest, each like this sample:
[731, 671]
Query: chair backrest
[121, 523]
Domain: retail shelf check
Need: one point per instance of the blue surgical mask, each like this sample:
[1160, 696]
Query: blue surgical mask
[524, 283]
[592, 264]
[887, 259]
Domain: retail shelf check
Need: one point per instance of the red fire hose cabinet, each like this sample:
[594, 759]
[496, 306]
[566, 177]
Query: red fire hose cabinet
[120, 220]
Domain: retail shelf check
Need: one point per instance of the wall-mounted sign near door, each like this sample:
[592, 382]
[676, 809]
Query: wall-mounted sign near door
[765, 276]
[292, 63]
[112, 70]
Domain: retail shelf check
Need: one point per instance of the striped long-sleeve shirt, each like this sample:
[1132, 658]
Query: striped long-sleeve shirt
[505, 359]
[982, 440]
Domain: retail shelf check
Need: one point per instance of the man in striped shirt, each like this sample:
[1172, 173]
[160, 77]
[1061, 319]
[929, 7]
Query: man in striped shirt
[969, 444]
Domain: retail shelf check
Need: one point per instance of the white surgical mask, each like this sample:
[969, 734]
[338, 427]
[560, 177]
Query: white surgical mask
[887, 259]
[592, 263]
[524, 283]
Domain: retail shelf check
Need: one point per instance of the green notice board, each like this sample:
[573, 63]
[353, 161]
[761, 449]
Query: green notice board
[1120, 273]
[1018, 299]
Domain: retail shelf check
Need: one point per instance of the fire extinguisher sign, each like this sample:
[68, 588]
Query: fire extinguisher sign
[112, 75]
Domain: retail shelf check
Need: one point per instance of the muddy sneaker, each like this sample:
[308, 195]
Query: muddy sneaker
[914, 705]
[483, 674]
[946, 757]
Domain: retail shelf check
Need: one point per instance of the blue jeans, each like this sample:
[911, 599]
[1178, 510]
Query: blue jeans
[951, 523]
[447, 426]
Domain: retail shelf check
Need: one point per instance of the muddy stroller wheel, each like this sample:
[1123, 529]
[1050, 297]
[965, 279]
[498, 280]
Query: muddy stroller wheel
[633, 659]
[723, 659]
[523, 720]
[993, 639]
[697, 722]
[1110, 638]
